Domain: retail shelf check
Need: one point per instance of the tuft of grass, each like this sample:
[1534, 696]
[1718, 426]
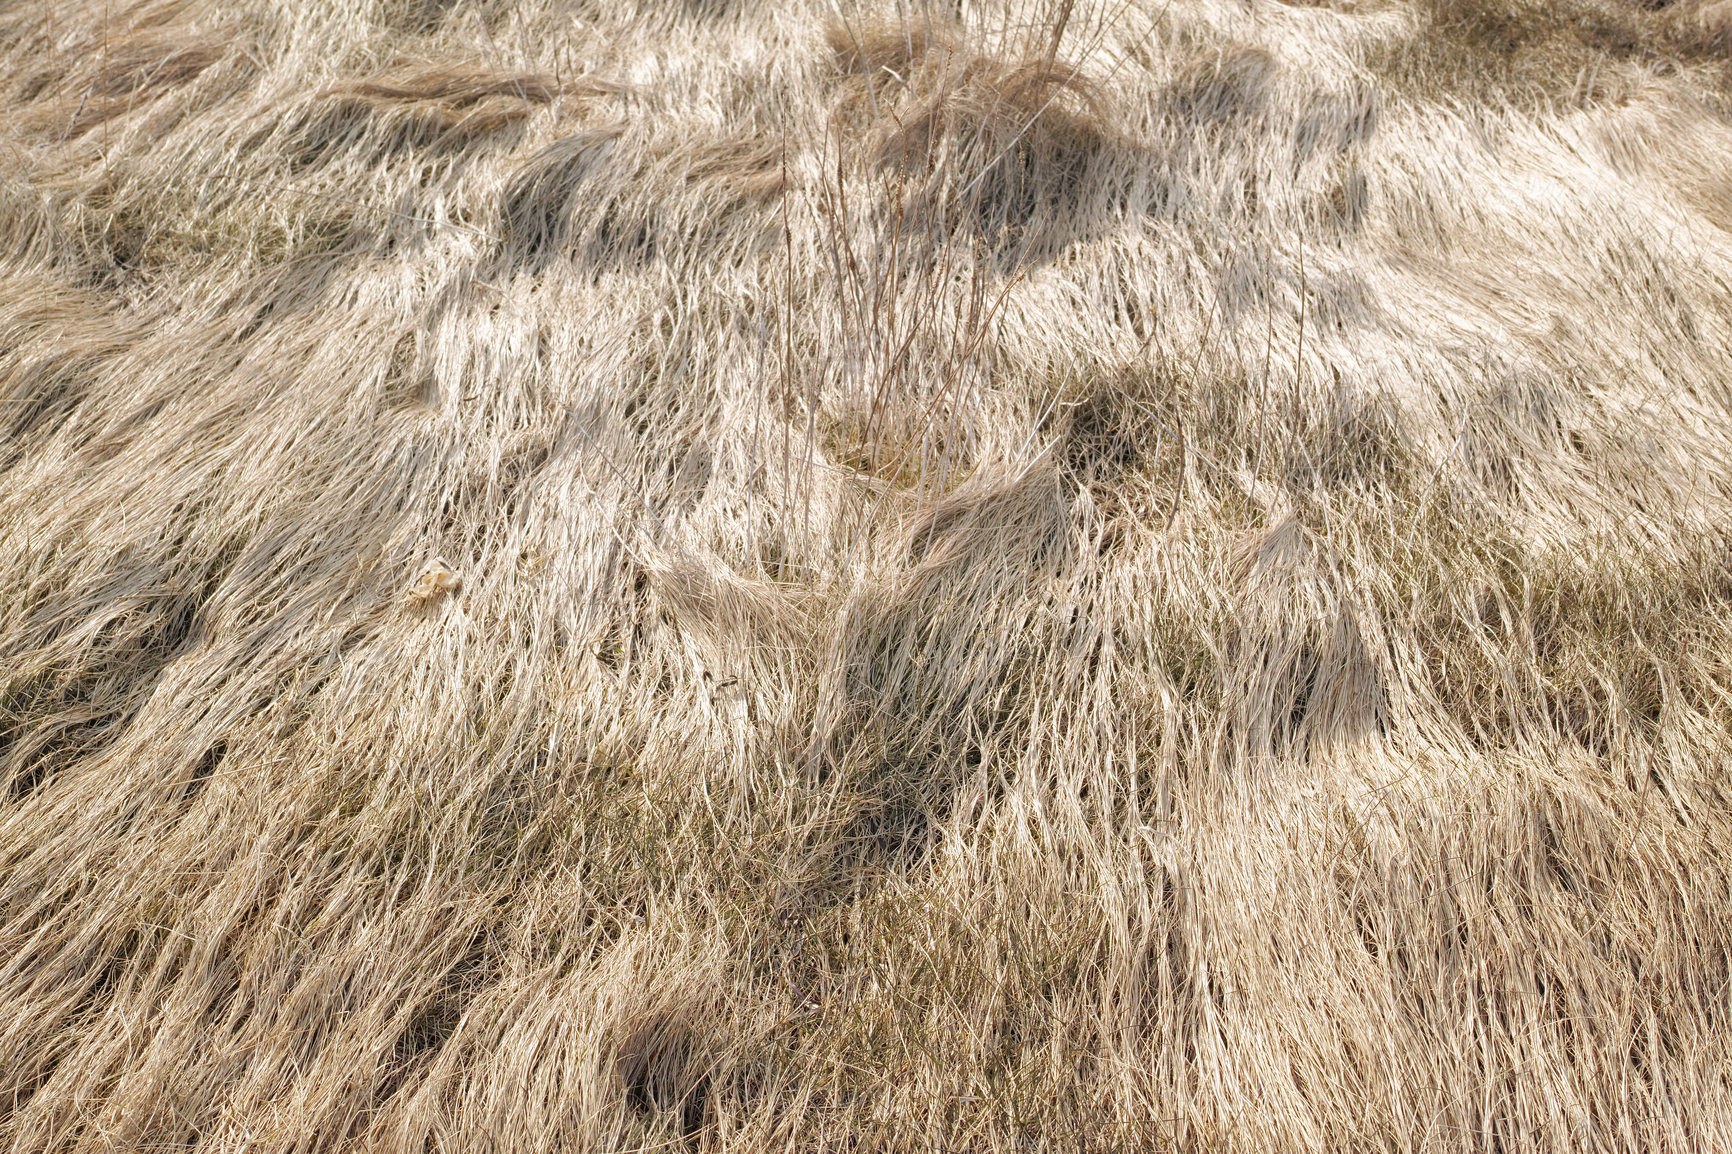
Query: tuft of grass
[999, 143]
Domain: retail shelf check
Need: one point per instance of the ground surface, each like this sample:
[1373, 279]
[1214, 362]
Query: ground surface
[756, 576]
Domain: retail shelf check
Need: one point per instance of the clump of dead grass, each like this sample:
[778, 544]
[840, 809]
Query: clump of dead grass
[996, 141]
[427, 106]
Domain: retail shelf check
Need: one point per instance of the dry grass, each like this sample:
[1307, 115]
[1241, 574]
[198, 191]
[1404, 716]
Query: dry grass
[745, 576]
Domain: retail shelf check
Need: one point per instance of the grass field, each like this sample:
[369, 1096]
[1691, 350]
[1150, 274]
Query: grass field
[725, 575]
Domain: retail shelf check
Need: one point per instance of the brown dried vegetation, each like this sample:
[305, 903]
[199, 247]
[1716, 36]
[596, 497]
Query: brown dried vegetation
[746, 576]
[995, 142]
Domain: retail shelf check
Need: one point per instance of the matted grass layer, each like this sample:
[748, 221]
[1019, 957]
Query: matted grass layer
[752, 576]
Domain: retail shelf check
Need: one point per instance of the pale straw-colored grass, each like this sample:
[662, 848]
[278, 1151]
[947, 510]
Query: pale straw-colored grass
[728, 575]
